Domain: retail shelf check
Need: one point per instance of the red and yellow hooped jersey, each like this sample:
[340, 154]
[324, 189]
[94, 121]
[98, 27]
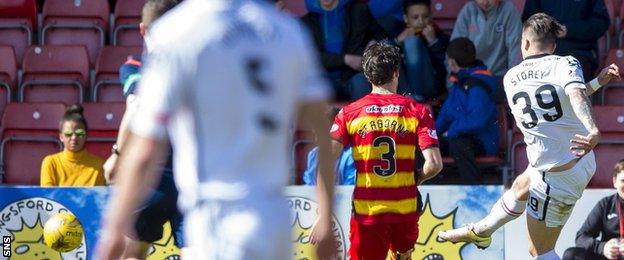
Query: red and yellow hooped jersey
[384, 131]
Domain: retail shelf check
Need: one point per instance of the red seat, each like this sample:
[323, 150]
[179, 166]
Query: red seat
[607, 154]
[103, 120]
[127, 19]
[18, 18]
[8, 75]
[50, 75]
[613, 95]
[107, 87]
[518, 156]
[296, 7]
[610, 121]
[444, 12]
[76, 22]
[29, 133]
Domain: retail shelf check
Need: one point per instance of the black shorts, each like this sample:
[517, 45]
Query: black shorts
[160, 208]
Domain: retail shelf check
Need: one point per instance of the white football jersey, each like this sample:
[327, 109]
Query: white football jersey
[224, 79]
[535, 91]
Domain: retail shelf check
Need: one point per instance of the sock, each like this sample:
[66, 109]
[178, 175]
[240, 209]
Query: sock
[550, 255]
[506, 209]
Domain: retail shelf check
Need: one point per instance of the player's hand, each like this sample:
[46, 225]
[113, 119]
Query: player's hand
[611, 249]
[409, 31]
[321, 236]
[582, 145]
[608, 73]
[429, 33]
[108, 167]
[110, 245]
[353, 61]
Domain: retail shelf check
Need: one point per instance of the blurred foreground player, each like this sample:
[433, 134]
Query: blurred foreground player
[385, 130]
[161, 207]
[548, 98]
[224, 79]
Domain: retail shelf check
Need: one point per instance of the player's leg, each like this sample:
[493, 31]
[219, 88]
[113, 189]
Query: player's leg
[135, 249]
[368, 241]
[542, 239]
[148, 228]
[509, 207]
[403, 237]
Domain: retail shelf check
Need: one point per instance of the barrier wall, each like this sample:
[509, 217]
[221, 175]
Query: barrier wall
[24, 209]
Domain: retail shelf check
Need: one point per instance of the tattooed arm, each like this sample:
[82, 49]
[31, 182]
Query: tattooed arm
[581, 105]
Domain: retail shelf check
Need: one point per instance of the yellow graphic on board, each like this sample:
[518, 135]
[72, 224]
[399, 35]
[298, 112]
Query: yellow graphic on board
[303, 249]
[428, 246]
[28, 243]
[165, 247]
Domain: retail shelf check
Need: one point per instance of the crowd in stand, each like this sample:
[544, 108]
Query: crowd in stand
[463, 84]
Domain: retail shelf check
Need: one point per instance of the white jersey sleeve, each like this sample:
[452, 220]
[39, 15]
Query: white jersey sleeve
[574, 76]
[160, 91]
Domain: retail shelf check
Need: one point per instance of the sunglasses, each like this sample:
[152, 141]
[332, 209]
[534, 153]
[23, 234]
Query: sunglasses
[77, 132]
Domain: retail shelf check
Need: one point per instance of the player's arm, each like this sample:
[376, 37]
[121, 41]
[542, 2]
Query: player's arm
[433, 164]
[122, 135]
[581, 105]
[604, 77]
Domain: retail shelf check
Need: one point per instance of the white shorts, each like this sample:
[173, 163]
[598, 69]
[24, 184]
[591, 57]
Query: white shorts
[233, 230]
[552, 195]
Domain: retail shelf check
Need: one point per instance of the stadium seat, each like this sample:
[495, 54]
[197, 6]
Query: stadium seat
[29, 133]
[8, 75]
[613, 95]
[54, 74]
[18, 18]
[610, 121]
[76, 22]
[107, 87]
[127, 19]
[103, 120]
[607, 154]
[296, 7]
[517, 152]
[615, 56]
[444, 13]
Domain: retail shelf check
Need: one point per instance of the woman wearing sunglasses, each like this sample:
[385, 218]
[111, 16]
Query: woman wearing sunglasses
[74, 166]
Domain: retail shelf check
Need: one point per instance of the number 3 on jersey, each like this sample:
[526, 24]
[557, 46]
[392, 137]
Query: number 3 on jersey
[528, 109]
[387, 157]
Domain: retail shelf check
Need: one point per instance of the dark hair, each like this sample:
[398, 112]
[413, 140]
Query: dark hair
[381, 60]
[618, 168]
[463, 51]
[73, 113]
[153, 9]
[408, 3]
[544, 29]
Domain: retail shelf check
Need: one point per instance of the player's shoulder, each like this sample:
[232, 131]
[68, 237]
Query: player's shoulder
[371, 104]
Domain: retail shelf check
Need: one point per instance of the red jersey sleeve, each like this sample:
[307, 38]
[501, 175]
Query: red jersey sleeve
[427, 136]
[339, 129]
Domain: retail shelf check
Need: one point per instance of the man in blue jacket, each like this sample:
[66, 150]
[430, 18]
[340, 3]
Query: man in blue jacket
[467, 120]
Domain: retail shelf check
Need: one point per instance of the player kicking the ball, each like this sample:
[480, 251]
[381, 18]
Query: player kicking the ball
[549, 102]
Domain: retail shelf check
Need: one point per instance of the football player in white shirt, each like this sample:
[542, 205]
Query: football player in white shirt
[559, 111]
[224, 79]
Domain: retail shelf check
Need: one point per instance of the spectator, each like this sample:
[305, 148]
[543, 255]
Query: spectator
[584, 22]
[495, 29]
[467, 120]
[74, 166]
[424, 50]
[604, 221]
[345, 168]
[341, 30]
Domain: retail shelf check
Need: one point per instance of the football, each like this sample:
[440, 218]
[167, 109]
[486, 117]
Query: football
[63, 232]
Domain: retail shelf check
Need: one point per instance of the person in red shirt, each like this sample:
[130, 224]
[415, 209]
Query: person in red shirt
[386, 131]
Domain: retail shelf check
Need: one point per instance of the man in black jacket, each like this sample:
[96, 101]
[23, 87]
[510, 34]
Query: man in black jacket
[604, 220]
[585, 21]
[342, 29]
